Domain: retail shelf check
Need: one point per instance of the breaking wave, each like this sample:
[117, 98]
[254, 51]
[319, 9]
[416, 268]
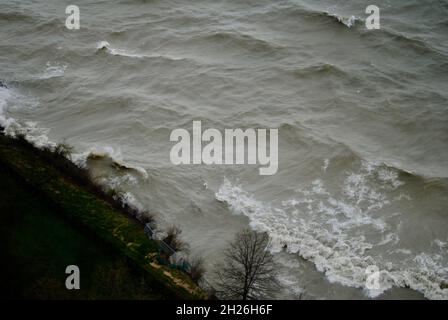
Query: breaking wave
[339, 232]
[104, 46]
[9, 98]
[39, 138]
[114, 156]
[349, 21]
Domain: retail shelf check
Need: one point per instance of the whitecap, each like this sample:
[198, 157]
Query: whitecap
[349, 21]
[324, 229]
[105, 46]
[10, 99]
[114, 154]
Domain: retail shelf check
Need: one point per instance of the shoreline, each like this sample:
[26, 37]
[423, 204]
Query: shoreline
[62, 185]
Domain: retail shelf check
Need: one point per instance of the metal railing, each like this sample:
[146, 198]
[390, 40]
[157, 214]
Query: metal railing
[182, 263]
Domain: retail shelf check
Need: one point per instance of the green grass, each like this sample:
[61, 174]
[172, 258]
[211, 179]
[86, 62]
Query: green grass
[36, 245]
[49, 221]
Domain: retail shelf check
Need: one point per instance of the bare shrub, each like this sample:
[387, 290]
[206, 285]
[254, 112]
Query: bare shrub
[146, 217]
[197, 269]
[63, 149]
[173, 239]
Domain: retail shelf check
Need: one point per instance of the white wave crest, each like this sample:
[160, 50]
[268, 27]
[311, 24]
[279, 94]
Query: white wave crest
[10, 99]
[347, 21]
[39, 138]
[105, 46]
[106, 152]
[129, 199]
[339, 232]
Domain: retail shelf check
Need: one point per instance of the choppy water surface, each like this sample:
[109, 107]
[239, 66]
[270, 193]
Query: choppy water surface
[362, 118]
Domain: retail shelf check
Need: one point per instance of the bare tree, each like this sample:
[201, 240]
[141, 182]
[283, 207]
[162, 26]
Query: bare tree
[249, 269]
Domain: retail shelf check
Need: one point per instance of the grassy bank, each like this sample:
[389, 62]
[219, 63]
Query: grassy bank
[52, 216]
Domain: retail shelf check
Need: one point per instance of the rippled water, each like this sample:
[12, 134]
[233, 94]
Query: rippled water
[362, 118]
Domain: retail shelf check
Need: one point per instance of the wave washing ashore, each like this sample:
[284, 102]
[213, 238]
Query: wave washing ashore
[59, 203]
[361, 115]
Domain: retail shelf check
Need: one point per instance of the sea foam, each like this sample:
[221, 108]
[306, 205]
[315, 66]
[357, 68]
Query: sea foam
[324, 228]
